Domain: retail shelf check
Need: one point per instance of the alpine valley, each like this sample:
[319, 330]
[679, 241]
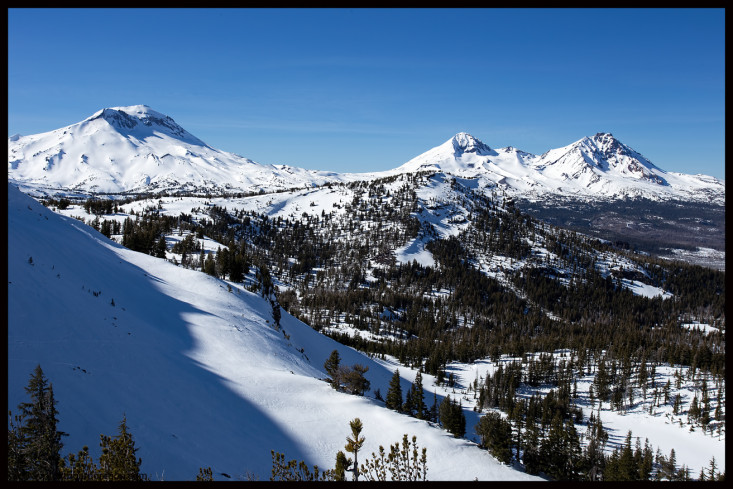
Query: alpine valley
[525, 317]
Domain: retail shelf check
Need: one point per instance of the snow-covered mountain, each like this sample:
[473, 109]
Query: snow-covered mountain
[593, 167]
[136, 149]
[200, 372]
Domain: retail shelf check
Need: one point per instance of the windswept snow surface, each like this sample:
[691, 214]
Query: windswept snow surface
[201, 374]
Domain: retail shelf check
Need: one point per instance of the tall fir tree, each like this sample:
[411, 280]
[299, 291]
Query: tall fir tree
[331, 365]
[418, 398]
[394, 394]
[40, 440]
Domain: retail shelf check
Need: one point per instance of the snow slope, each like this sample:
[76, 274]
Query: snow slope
[201, 374]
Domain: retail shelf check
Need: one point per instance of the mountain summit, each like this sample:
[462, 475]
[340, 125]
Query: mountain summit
[465, 143]
[461, 155]
[142, 121]
[137, 149]
[593, 157]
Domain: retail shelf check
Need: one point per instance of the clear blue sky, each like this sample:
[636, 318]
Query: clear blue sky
[367, 90]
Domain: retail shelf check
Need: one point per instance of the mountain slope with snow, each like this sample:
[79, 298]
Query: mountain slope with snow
[593, 167]
[201, 374]
[136, 149]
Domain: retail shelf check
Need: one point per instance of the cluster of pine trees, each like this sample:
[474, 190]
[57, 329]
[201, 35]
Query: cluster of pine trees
[34, 444]
[400, 464]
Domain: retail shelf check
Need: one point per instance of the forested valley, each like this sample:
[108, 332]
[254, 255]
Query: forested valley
[547, 305]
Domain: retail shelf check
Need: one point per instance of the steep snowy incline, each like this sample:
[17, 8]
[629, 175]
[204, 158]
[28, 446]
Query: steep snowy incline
[201, 374]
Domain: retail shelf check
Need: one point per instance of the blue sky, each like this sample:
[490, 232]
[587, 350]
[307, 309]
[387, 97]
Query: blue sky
[369, 89]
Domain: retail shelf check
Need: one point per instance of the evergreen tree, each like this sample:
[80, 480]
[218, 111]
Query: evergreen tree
[408, 406]
[621, 466]
[418, 398]
[394, 394]
[79, 468]
[403, 464]
[552, 451]
[209, 265]
[16, 459]
[117, 461]
[531, 456]
[342, 465]
[160, 247]
[331, 366]
[433, 415]
[205, 475]
[496, 435]
[354, 380]
[38, 437]
[354, 443]
[452, 417]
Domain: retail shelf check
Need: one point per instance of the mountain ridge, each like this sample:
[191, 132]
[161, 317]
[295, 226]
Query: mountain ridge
[137, 149]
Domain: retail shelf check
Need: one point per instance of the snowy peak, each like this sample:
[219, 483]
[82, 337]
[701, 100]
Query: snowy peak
[462, 155]
[598, 156]
[465, 143]
[598, 166]
[141, 120]
[137, 149]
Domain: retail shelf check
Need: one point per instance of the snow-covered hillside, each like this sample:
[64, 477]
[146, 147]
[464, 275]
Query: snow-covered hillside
[200, 372]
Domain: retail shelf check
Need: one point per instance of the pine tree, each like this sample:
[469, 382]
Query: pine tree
[403, 464]
[496, 435]
[552, 452]
[160, 247]
[205, 475]
[434, 409]
[342, 465]
[394, 394]
[408, 406]
[452, 417]
[16, 459]
[79, 468]
[418, 398]
[354, 443]
[531, 456]
[354, 380]
[209, 265]
[117, 461]
[332, 368]
[38, 437]
[621, 465]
